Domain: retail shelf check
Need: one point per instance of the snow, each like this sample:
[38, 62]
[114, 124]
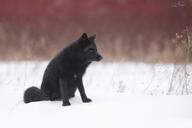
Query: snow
[124, 95]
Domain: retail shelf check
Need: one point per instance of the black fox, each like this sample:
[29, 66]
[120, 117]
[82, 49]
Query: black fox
[63, 75]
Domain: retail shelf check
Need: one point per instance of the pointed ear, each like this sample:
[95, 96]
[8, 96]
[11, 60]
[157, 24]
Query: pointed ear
[92, 37]
[84, 37]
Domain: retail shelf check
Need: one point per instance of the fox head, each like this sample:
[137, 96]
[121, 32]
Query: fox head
[88, 49]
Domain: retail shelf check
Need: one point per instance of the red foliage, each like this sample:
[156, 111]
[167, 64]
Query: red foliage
[144, 12]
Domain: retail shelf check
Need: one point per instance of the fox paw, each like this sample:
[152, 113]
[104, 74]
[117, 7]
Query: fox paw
[67, 103]
[87, 100]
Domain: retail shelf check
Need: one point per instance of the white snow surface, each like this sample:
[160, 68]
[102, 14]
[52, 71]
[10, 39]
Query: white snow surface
[124, 95]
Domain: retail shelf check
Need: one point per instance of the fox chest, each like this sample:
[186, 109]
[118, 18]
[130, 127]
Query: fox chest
[73, 71]
[77, 74]
[77, 71]
[74, 78]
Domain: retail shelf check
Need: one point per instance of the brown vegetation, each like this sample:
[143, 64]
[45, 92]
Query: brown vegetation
[25, 44]
[130, 30]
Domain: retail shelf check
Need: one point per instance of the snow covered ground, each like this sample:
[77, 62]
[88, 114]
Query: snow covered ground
[124, 95]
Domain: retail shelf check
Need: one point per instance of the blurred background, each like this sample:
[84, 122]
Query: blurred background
[127, 30]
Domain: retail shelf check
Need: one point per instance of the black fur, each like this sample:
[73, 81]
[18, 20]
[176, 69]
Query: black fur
[63, 75]
[33, 94]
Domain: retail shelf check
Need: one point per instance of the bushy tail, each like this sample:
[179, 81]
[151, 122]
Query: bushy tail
[33, 94]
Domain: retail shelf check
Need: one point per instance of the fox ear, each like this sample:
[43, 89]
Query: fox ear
[84, 37]
[84, 40]
[92, 37]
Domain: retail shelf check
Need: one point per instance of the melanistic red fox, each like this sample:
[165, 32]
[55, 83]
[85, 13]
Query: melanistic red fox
[63, 75]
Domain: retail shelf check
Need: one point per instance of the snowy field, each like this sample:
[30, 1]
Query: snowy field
[124, 95]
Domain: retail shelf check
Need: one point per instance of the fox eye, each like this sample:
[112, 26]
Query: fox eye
[91, 50]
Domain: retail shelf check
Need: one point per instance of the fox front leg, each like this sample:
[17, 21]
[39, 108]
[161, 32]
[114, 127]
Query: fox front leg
[81, 89]
[64, 92]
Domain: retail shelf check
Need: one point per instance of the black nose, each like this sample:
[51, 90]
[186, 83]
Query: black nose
[99, 57]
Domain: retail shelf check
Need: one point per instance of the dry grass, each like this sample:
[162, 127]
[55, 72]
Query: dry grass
[43, 42]
[183, 42]
[24, 43]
